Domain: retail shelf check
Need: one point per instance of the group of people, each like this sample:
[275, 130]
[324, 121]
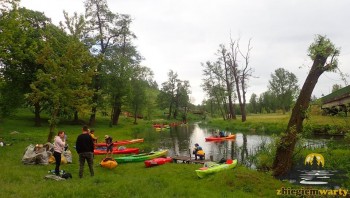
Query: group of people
[84, 146]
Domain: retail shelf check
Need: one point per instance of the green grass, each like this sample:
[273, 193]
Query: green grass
[126, 180]
[277, 123]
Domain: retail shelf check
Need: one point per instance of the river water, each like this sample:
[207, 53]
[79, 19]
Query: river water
[180, 141]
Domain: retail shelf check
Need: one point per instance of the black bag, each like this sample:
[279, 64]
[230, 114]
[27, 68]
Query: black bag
[66, 176]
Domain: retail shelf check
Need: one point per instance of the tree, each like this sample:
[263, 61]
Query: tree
[324, 55]
[137, 98]
[216, 87]
[241, 74]
[63, 82]
[284, 85]
[21, 39]
[267, 102]
[182, 99]
[167, 93]
[106, 31]
[173, 94]
[228, 78]
[336, 87]
[253, 103]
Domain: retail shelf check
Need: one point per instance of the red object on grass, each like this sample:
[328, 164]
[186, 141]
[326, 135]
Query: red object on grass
[158, 161]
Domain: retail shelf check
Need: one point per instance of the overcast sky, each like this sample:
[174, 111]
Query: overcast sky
[179, 35]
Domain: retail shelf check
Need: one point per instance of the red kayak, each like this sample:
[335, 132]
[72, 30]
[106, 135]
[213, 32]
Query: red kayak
[158, 161]
[120, 142]
[103, 151]
[213, 138]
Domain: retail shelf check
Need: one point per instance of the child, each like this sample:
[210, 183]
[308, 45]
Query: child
[109, 144]
[92, 134]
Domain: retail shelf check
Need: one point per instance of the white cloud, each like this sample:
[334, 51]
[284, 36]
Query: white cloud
[180, 34]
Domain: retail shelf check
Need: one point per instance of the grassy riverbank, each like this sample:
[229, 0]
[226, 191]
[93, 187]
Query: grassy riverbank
[277, 123]
[127, 180]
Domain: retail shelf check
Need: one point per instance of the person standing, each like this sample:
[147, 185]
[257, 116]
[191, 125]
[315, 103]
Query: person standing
[109, 145]
[92, 134]
[85, 149]
[59, 144]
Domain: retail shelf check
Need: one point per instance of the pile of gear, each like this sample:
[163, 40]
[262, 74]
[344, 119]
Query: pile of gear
[43, 154]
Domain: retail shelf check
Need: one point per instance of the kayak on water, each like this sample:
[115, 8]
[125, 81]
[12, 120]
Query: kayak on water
[213, 138]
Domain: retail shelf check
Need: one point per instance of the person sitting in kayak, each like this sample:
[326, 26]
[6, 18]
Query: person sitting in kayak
[198, 152]
[222, 134]
[109, 144]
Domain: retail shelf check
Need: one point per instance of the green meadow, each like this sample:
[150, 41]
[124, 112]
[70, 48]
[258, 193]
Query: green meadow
[126, 180]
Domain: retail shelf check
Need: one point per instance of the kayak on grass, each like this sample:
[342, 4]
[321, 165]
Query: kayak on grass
[212, 167]
[158, 161]
[103, 151]
[142, 156]
[120, 142]
[213, 138]
[109, 163]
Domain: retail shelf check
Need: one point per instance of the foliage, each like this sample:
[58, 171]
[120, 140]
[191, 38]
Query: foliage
[63, 81]
[323, 47]
[284, 85]
[214, 86]
[174, 95]
[20, 41]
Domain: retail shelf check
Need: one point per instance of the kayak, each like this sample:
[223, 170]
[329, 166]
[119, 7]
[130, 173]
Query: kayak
[120, 142]
[158, 161]
[212, 167]
[103, 151]
[109, 163]
[141, 157]
[213, 138]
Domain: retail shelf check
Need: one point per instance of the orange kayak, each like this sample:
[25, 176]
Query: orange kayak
[213, 138]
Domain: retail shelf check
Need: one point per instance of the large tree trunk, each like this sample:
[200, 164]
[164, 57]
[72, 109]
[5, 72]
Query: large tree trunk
[37, 118]
[231, 108]
[92, 119]
[170, 110]
[283, 159]
[117, 109]
[135, 116]
[243, 105]
[53, 124]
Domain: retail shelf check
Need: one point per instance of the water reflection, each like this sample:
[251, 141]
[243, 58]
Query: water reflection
[180, 140]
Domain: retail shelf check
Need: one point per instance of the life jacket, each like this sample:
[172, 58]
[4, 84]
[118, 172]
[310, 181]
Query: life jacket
[200, 152]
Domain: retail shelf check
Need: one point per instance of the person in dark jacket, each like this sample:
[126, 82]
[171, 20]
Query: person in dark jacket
[85, 149]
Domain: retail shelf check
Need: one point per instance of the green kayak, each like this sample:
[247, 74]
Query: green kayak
[212, 167]
[141, 157]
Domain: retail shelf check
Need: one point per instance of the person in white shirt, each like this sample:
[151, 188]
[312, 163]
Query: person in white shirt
[59, 144]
